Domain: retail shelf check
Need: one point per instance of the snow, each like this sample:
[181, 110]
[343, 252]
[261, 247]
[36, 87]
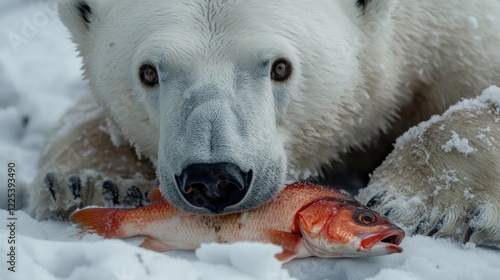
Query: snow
[40, 79]
[490, 96]
[472, 22]
[444, 181]
[240, 255]
[460, 144]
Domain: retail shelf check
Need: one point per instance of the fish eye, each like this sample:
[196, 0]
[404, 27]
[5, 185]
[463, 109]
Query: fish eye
[148, 75]
[364, 217]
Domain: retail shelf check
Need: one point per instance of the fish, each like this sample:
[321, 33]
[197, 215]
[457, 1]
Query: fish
[304, 219]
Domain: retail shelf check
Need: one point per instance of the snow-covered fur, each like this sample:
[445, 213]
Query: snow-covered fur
[443, 177]
[362, 73]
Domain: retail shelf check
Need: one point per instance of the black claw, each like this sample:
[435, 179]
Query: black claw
[467, 234]
[134, 194]
[26, 121]
[420, 227]
[388, 212]
[470, 228]
[75, 185]
[437, 227]
[377, 199]
[110, 191]
[49, 181]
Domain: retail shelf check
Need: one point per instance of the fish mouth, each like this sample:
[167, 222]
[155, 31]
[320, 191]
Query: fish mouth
[387, 241]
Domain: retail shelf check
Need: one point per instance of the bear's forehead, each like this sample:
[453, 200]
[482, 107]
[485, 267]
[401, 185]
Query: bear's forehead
[217, 16]
[200, 16]
[192, 29]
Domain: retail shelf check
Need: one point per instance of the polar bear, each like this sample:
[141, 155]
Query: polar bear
[222, 102]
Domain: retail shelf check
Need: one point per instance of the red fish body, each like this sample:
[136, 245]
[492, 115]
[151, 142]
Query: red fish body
[305, 219]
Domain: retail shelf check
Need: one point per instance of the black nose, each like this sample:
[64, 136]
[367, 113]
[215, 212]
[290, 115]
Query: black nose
[214, 186]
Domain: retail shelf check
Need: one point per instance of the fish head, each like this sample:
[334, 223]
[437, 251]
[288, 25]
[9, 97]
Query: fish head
[339, 228]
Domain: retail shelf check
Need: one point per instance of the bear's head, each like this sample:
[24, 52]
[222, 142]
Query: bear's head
[229, 96]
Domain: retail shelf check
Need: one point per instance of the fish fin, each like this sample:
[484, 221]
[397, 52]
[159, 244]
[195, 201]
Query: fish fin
[286, 256]
[288, 241]
[155, 195]
[155, 245]
[102, 221]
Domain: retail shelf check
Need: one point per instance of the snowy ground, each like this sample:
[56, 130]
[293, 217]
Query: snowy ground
[39, 79]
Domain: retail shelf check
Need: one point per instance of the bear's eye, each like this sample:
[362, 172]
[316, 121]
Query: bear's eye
[281, 70]
[148, 75]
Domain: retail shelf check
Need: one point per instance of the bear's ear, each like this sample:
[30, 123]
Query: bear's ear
[362, 3]
[81, 16]
[376, 8]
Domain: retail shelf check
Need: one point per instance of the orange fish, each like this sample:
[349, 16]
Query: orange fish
[305, 219]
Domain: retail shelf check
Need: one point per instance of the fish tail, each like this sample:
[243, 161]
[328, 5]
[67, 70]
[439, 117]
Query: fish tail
[103, 221]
